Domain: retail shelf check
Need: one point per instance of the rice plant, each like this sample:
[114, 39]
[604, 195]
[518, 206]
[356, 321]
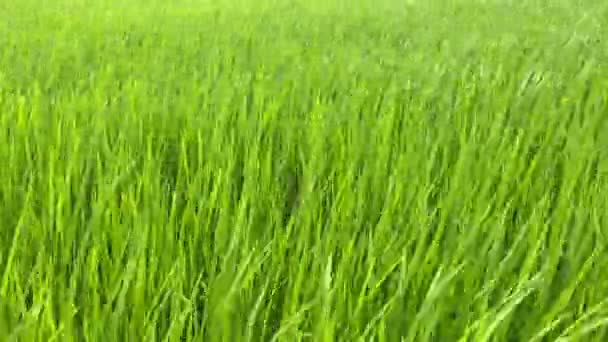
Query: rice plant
[303, 171]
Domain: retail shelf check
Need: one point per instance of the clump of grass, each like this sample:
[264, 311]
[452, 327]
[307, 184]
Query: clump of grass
[303, 172]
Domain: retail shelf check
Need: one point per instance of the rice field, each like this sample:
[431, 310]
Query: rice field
[285, 170]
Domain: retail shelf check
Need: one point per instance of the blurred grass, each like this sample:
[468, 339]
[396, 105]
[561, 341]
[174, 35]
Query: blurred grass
[303, 170]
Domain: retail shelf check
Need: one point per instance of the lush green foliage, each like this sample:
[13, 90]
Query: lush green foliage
[290, 171]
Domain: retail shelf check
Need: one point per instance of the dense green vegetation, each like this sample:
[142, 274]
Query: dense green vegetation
[290, 170]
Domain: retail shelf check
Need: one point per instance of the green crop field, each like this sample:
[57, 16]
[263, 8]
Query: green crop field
[291, 170]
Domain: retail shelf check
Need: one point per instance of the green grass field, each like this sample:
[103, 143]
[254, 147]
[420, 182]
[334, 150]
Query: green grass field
[283, 170]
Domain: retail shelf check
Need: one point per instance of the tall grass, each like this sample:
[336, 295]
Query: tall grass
[294, 171]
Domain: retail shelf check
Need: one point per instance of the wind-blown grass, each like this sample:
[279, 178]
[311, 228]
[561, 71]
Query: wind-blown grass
[287, 171]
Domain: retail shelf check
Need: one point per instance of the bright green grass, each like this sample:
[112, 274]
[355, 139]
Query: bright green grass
[354, 170]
